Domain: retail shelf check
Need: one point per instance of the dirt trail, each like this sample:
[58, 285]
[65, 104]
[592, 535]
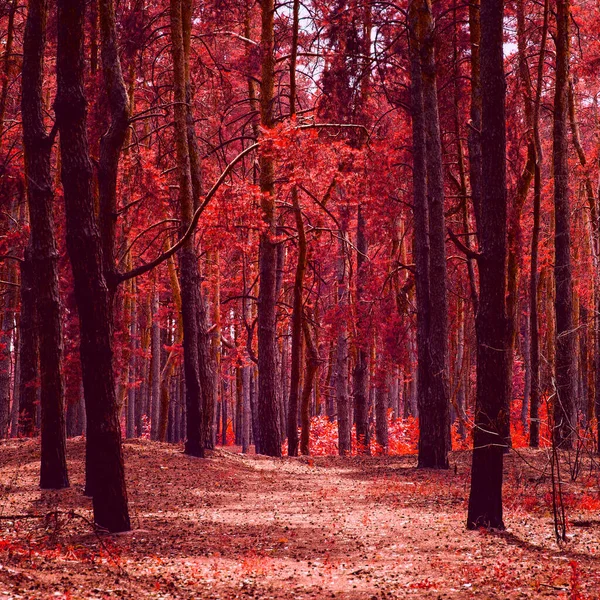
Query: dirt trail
[249, 527]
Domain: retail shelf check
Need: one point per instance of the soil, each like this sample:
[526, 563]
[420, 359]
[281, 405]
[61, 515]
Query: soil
[245, 526]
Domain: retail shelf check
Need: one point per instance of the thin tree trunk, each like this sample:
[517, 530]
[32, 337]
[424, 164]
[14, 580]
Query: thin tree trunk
[474, 135]
[28, 349]
[565, 367]
[190, 278]
[133, 366]
[246, 412]
[534, 361]
[429, 246]
[342, 358]
[361, 367]
[9, 61]
[155, 366]
[268, 404]
[310, 374]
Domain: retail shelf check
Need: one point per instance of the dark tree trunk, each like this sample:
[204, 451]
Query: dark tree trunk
[6, 340]
[44, 256]
[474, 135]
[155, 367]
[297, 322]
[534, 400]
[190, 277]
[246, 412]
[224, 419]
[107, 474]
[342, 359]
[310, 374]
[485, 500]
[534, 344]
[430, 248]
[297, 310]
[435, 419]
[8, 62]
[208, 373]
[381, 416]
[112, 140]
[268, 404]
[239, 401]
[28, 349]
[421, 240]
[133, 367]
[361, 368]
[565, 366]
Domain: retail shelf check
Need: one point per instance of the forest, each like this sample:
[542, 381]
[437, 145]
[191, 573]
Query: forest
[299, 299]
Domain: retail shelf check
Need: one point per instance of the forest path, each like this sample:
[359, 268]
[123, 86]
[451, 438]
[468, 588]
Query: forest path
[234, 526]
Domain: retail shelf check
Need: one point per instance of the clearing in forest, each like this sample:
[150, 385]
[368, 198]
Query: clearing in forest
[234, 526]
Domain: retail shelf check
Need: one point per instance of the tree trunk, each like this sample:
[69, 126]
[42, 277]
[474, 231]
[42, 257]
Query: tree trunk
[565, 367]
[112, 140]
[107, 474]
[133, 366]
[43, 252]
[342, 358]
[297, 309]
[310, 374]
[8, 61]
[361, 368]
[534, 342]
[155, 367]
[28, 349]
[474, 135]
[430, 249]
[381, 414]
[246, 412]
[268, 405]
[485, 500]
[189, 275]
[534, 399]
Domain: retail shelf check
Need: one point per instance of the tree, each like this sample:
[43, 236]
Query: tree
[189, 275]
[430, 246]
[43, 253]
[564, 398]
[268, 405]
[106, 470]
[485, 499]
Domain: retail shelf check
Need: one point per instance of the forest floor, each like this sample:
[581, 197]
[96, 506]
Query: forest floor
[234, 526]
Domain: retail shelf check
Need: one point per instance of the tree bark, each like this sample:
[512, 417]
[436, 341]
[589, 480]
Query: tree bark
[310, 374]
[534, 342]
[565, 338]
[341, 356]
[474, 135]
[268, 405]
[28, 349]
[44, 256]
[485, 500]
[361, 367]
[107, 475]
[430, 246]
[189, 275]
